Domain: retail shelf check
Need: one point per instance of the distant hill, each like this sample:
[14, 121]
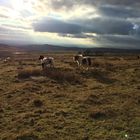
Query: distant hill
[47, 47]
[53, 48]
[4, 47]
[112, 50]
[6, 50]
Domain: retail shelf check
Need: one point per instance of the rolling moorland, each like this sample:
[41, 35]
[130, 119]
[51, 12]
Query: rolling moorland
[68, 103]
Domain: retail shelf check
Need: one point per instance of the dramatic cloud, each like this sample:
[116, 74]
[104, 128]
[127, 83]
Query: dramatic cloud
[71, 3]
[119, 11]
[119, 40]
[56, 26]
[11, 35]
[107, 26]
[96, 25]
[83, 22]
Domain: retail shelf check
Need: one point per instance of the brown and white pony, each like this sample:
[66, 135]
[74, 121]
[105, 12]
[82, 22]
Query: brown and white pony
[82, 60]
[46, 62]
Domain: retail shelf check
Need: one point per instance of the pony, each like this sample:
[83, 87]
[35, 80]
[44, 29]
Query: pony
[82, 60]
[46, 62]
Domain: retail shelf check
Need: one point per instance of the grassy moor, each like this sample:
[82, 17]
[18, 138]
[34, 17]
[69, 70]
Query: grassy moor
[67, 102]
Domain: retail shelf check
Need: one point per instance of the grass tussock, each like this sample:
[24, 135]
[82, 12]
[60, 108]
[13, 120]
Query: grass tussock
[105, 113]
[98, 64]
[27, 137]
[23, 74]
[60, 75]
[101, 76]
[63, 76]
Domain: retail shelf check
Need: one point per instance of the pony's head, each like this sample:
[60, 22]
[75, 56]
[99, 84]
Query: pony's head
[41, 57]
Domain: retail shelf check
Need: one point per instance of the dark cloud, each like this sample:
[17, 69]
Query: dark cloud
[107, 26]
[70, 3]
[56, 26]
[119, 40]
[112, 2]
[118, 23]
[119, 11]
[78, 26]
[113, 20]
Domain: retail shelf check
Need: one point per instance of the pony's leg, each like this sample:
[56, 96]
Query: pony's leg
[43, 66]
[77, 63]
[87, 63]
[52, 64]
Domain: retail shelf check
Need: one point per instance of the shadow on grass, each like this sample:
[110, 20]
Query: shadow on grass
[27, 137]
[59, 74]
[104, 113]
[100, 76]
[63, 75]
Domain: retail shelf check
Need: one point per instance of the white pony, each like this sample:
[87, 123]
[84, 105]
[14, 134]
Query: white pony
[46, 61]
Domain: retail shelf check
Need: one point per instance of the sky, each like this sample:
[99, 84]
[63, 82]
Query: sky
[88, 23]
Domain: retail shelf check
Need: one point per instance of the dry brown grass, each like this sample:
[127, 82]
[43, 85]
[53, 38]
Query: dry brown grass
[51, 105]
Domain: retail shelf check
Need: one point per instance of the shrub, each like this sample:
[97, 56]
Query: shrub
[104, 113]
[98, 63]
[27, 137]
[61, 75]
[23, 74]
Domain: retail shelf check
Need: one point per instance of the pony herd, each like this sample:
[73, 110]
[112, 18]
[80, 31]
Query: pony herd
[79, 59]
